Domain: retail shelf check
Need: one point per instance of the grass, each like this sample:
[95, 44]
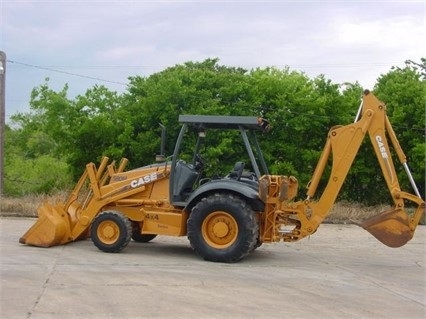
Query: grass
[26, 206]
[341, 213]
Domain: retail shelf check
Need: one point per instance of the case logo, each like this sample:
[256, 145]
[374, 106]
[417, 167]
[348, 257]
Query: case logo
[381, 147]
[143, 180]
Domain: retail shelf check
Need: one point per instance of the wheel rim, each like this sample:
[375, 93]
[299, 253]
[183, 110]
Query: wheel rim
[220, 229]
[108, 232]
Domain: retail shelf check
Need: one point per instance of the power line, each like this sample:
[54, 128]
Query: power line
[247, 65]
[65, 72]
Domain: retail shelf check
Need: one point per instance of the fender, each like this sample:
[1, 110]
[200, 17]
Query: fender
[230, 186]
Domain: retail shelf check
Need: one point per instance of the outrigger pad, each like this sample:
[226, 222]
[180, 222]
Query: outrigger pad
[390, 227]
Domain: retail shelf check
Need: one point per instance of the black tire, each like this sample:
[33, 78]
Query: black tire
[222, 228]
[258, 240]
[138, 237]
[258, 244]
[111, 231]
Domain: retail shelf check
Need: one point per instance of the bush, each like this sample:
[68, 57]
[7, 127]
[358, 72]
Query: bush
[41, 175]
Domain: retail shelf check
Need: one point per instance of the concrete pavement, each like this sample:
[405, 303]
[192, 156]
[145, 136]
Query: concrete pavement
[339, 272]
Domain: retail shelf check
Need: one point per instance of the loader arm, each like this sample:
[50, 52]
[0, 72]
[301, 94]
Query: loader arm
[393, 228]
[62, 223]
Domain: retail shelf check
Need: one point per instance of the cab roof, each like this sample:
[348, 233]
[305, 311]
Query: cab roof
[225, 122]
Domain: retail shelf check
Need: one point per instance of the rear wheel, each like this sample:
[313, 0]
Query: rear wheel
[222, 228]
[111, 231]
[138, 237]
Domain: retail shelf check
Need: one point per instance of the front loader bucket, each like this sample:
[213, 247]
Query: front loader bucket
[390, 227]
[53, 227]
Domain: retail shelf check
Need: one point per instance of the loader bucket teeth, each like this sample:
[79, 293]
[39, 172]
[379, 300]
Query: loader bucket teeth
[390, 227]
[51, 228]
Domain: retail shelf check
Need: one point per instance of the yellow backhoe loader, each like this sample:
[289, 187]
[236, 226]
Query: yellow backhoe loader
[225, 218]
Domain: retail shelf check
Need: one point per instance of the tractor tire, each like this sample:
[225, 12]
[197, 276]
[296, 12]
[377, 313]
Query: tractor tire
[138, 237]
[111, 231]
[143, 238]
[222, 228]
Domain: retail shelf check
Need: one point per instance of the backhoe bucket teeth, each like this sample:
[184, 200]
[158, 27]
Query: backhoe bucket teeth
[51, 228]
[390, 227]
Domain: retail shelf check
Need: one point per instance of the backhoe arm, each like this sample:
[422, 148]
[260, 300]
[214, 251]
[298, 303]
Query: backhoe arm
[394, 228]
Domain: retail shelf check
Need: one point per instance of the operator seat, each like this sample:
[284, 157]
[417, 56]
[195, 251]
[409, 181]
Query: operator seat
[237, 171]
[184, 179]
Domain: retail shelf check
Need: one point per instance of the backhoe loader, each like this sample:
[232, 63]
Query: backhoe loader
[226, 217]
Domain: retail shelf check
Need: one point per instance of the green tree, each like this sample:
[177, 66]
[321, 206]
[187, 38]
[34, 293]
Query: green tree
[192, 88]
[301, 111]
[74, 131]
[31, 171]
[95, 128]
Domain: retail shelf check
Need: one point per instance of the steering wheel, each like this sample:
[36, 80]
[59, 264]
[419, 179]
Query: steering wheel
[200, 162]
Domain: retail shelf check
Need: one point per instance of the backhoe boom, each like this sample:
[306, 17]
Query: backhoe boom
[393, 228]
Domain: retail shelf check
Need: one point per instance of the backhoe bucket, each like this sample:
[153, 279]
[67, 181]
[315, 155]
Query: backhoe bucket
[390, 227]
[53, 227]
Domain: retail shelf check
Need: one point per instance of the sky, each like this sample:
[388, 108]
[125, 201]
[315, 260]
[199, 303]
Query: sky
[84, 43]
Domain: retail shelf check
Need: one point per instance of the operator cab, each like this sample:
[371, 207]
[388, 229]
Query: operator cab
[191, 171]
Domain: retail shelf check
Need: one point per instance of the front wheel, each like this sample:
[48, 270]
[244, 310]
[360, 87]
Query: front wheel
[222, 228]
[111, 231]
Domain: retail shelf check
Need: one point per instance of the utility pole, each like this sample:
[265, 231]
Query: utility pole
[2, 116]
